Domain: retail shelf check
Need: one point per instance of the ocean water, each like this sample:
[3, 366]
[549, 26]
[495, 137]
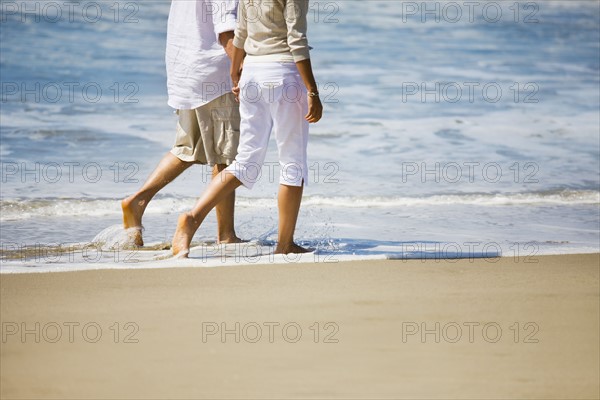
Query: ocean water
[450, 130]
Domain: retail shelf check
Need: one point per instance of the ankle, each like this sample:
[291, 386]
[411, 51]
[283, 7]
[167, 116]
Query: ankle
[226, 236]
[191, 220]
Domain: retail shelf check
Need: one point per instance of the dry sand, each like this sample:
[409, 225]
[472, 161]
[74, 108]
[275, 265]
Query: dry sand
[367, 344]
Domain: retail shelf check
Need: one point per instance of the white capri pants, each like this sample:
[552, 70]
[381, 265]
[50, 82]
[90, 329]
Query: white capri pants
[272, 97]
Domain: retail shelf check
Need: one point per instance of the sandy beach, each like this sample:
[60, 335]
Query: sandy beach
[502, 328]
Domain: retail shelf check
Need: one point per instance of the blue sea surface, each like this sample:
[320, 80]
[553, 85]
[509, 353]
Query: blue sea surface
[462, 131]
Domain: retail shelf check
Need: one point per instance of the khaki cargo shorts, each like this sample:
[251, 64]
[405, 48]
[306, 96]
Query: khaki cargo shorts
[209, 134]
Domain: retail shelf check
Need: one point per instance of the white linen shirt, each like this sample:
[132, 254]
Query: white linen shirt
[197, 66]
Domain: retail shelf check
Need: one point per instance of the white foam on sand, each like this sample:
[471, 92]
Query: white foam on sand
[103, 256]
[205, 256]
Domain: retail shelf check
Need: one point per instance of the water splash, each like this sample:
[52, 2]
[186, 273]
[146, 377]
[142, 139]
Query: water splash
[115, 237]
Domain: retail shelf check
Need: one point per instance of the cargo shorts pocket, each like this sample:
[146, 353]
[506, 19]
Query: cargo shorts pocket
[226, 134]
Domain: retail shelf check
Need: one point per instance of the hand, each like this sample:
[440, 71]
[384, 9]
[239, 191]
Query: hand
[236, 91]
[315, 109]
[235, 79]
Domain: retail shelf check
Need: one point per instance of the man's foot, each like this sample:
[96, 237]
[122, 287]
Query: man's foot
[132, 217]
[231, 240]
[134, 238]
[183, 236]
[290, 248]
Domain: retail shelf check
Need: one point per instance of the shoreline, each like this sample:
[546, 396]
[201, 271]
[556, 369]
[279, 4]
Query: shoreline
[527, 330]
[166, 262]
[96, 256]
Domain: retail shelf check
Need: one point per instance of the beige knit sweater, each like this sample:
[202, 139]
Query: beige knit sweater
[273, 27]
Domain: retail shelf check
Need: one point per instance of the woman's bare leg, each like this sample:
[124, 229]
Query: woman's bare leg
[219, 188]
[289, 200]
[225, 214]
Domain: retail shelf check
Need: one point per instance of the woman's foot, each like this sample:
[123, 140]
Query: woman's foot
[132, 217]
[290, 248]
[183, 236]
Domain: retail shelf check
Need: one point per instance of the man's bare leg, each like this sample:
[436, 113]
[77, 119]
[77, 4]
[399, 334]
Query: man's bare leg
[225, 214]
[289, 200]
[169, 168]
[219, 188]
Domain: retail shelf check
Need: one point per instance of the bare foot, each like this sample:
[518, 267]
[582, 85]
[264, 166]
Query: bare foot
[183, 236]
[132, 217]
[290, 248]
[231, 239]
[134, 238]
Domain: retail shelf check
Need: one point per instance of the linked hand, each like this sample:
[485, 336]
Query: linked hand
[235, 78]
[236, 91]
